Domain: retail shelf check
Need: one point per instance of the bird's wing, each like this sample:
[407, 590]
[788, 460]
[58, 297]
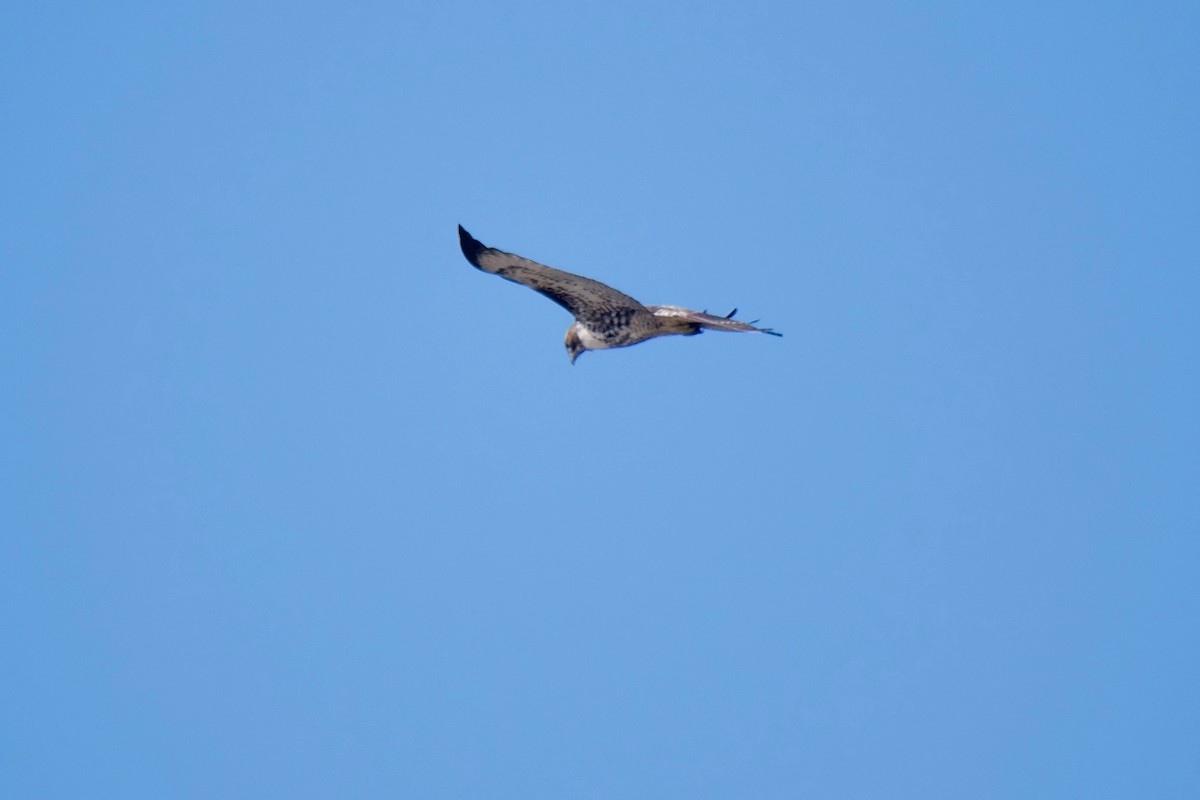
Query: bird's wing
[587, 299]
[705, 320]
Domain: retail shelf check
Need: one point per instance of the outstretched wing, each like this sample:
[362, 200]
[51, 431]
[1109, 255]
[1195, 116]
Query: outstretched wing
[590, 301]
[705, 320]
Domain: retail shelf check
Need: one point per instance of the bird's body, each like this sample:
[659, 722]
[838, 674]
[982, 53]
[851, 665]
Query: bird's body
[604, 317]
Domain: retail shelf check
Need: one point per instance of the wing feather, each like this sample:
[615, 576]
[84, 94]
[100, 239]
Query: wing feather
[587, 299]
[705, 320]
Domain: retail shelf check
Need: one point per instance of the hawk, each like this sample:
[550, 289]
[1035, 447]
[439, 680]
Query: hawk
[604, 317]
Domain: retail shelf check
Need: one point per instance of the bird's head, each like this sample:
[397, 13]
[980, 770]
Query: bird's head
[573, 343]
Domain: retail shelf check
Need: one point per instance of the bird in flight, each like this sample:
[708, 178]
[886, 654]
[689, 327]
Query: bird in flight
[604, 317]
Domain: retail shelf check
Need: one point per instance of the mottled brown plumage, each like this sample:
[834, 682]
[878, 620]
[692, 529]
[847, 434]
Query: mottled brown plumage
[604, 317]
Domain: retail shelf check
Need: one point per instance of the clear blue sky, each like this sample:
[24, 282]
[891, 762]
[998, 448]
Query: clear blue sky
[298, 504]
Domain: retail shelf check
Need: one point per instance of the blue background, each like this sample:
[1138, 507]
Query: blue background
[299, 504]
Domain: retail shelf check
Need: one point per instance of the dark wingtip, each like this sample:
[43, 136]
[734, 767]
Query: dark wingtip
[770, 332]
[471, 246]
